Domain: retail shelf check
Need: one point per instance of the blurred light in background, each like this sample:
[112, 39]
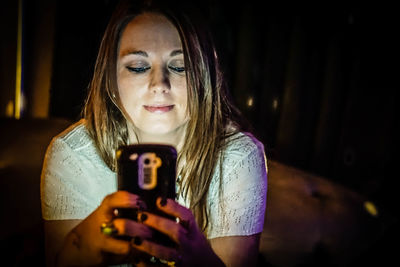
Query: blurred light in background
[250, 102]
[19, 70]
[275, 103]
[10, 109]
[371, 208]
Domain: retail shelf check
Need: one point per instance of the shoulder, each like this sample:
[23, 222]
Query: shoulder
[74, 178]
[75, 142]
[242, 161]
[242, 145]
[237, 193]
[75, 139]
[75, 136]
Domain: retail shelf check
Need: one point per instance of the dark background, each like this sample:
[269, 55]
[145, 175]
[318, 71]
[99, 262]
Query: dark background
[323, 80]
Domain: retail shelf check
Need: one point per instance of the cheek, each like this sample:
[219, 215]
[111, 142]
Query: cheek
[130, 87]
[184, 99]
[181, 90]
[125, 96]
[129, 96]
[124, 86]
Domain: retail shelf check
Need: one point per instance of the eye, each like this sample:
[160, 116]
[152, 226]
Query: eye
[138, 69]
[177, 65]
[177, 69]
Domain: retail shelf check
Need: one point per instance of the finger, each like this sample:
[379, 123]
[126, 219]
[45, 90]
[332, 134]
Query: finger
[173, 208]
[156, 250]
[116, 246]
[120, 199]
[166, 226]
[131, 228]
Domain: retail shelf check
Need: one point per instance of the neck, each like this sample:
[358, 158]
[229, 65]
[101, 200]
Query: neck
[175, 138]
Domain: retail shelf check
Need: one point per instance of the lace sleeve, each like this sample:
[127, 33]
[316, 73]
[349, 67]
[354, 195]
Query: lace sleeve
[237, 205]
[62, 184]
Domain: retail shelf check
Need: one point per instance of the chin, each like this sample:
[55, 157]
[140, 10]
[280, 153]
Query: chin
[159, 129]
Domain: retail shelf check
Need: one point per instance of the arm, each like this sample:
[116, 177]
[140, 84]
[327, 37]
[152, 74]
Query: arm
[72, 226]
[81, 243]
[236, 227]
[55, 233]
[237, 250]
[194, 249]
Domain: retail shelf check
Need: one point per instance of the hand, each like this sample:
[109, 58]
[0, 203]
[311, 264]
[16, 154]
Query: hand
[87, 245]
[192, 246]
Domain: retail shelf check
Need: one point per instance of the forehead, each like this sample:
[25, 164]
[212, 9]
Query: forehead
[149, 32]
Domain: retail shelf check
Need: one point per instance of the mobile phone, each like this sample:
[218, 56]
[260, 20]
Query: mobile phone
[149, 171]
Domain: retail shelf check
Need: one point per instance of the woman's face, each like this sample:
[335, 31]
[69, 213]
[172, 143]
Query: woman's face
[151, 76]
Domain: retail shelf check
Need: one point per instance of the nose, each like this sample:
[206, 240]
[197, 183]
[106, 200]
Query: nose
[159, 82]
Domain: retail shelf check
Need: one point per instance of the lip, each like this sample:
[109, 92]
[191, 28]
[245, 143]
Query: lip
[159, 109]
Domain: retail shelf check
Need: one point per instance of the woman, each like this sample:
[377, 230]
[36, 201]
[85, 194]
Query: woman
[156, 80]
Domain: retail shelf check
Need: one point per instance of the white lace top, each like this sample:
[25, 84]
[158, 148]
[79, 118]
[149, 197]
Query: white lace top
[75, 180]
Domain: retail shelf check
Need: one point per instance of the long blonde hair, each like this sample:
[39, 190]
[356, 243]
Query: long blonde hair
[210, 108]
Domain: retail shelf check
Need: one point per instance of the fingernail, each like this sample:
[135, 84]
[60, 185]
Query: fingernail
[142, 217]
[163, 202]
[137, 241]
[115, 212]
[141, 205]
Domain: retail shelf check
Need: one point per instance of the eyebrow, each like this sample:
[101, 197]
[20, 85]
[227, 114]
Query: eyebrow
[176, 52]
[139, 53]
[144, 54]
